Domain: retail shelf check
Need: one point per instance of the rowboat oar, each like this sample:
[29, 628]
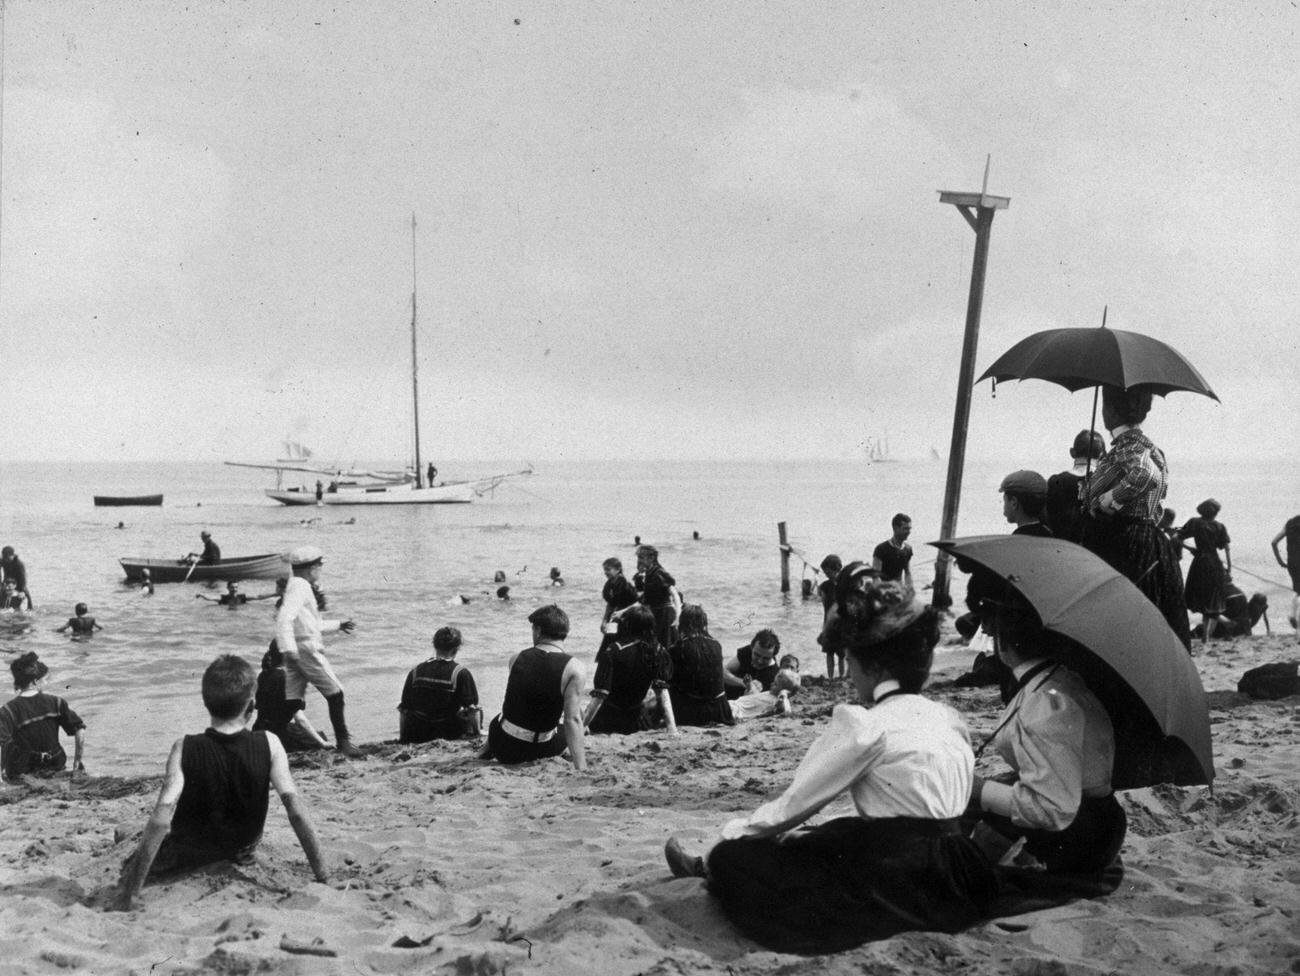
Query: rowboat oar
[194, 561]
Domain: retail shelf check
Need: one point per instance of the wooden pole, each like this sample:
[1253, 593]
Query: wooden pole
[785, 557]
[415, 367]
[978, 210]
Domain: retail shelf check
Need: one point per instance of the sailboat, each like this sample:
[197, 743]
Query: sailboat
[409, 487]
[877, 450]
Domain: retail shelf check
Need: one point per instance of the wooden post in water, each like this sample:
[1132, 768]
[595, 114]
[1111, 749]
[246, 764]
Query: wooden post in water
[785, 557]
[978, 209]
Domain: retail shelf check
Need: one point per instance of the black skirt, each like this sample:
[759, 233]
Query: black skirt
[615, 720]
[850, 881]
[1139, 550]
[1207, 584]
[688, 710]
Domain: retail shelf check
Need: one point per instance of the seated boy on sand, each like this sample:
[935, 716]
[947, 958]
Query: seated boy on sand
[774, 701]
[214, 798]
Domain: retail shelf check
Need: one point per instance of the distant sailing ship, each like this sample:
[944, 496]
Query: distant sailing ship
[354, 487]
[877, 450]
[294, 452]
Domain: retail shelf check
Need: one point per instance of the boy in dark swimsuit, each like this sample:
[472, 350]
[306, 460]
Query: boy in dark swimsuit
[82, 623]
[214, 798]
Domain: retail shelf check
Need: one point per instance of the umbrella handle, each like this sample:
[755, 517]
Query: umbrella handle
[1096, 391]
[1092, 429]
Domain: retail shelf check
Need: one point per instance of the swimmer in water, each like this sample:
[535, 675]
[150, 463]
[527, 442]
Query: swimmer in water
[82, 623]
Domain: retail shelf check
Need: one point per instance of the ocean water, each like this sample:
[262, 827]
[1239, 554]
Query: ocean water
[399, 571]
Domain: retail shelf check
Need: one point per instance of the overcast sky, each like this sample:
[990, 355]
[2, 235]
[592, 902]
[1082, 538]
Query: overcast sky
[645, 229]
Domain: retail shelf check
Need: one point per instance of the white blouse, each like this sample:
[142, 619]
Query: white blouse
[906, 756]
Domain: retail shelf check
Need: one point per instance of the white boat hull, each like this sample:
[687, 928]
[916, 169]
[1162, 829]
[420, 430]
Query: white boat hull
[408, 494]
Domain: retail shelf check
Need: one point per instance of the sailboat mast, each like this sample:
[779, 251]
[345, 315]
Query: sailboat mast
[415, 368]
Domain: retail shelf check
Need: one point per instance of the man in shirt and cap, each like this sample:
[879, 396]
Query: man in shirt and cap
[211, 554]
[1064, 511]
[298, 630]
[1024, 496]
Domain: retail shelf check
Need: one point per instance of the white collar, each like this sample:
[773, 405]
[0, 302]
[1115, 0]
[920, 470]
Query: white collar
[884, 688]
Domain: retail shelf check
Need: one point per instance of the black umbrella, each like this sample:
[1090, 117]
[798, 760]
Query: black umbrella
[1080, 358]
[1119, 643]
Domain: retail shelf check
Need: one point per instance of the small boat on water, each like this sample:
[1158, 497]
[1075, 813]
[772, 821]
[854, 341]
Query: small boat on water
[122, 501]
[410, 486]
[268, 566]
[402, 493]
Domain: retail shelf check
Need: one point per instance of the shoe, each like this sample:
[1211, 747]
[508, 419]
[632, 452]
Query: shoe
[348, 750]
[681, 864]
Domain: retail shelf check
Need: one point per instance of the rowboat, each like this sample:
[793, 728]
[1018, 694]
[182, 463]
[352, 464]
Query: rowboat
[121, 501]
[269, 566]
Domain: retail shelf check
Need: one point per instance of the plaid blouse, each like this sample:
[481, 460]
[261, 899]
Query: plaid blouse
[1134, 471]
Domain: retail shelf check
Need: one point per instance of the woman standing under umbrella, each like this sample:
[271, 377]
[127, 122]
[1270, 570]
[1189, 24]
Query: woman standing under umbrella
[1122, 500]
[1207, 582]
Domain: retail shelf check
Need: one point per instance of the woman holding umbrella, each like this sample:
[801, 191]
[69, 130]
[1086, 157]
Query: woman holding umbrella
[1058, 739]
[1207, 581]
[1122, 502]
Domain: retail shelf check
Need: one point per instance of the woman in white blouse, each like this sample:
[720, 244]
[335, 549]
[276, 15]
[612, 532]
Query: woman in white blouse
[900, 862]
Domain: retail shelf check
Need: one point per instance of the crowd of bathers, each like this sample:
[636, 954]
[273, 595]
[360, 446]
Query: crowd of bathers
[931, 844]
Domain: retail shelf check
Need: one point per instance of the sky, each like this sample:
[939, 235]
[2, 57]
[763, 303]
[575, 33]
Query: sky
[644, 230]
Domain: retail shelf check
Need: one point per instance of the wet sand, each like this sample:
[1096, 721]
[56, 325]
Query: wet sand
[443, 863]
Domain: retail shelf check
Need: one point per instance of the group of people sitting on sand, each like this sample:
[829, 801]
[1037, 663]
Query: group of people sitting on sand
[930, 844]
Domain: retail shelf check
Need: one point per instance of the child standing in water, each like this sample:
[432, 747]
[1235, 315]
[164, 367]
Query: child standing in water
[82, 623]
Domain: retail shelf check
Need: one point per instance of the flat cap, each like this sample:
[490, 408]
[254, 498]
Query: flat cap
[1024, 483]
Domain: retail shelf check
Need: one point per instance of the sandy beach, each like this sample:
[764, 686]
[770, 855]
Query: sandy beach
[443, 863]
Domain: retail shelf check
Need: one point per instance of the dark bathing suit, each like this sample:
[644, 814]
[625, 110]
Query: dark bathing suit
[655, 596]
[527, 727]
[698, 690]
[764, 676]
[223, 803]
[626, 672]
[432, 698]
[893, 561]
[618, 594]
[31, 723]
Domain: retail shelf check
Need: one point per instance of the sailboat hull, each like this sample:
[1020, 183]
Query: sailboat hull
[407, 494]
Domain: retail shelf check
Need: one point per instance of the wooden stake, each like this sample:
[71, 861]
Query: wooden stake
[785, 557]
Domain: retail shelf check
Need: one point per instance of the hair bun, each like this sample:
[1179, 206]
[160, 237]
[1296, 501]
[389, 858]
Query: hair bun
[28, 668]
[872, 610]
